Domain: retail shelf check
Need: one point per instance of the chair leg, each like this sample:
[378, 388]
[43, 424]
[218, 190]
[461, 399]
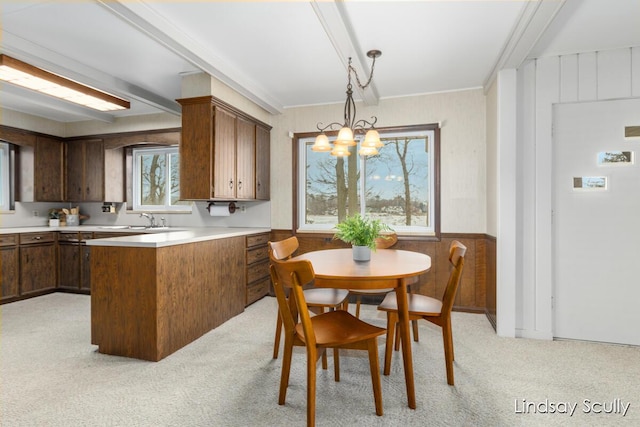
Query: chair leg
[286, 368]
[391, 326]
[325, 365]
[311, 386]
[448, 350]
[396, 347]
[375, 375]
[358, 301]
[276, 341]
[336, 364]
[414, 324]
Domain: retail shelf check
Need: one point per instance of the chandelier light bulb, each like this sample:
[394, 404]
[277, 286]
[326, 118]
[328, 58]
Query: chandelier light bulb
[322, 143]
[345, 137]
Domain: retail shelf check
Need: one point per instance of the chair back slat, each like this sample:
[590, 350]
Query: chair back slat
[283, 249]
[288, 310]
[387, 241]
[456, 256]
[296, 274]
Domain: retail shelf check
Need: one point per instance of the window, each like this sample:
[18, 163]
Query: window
[156, 180]
[6, 202]
[398, 186]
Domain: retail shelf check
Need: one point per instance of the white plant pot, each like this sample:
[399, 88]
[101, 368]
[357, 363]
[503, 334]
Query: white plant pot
[361, 253]
[54, 223]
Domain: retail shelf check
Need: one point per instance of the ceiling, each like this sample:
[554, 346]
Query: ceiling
[292, 53]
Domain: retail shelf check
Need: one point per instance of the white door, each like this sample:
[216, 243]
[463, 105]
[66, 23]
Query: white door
[596, 232]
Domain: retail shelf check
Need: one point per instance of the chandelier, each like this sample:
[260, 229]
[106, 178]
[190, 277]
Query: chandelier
[351, 127]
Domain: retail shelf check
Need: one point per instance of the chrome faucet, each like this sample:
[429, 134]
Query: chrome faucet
[150, 217]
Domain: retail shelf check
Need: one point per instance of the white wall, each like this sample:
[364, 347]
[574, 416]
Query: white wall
[590, 76]
[463, 151]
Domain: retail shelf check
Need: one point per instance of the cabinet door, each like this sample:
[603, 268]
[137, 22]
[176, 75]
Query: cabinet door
[245, 159]
[49, 170]
[196, 150]
[263, 165]
[224, 161]
[93, 171]
[69, 260]
[9, 270]
[75, 171]
[37, 268]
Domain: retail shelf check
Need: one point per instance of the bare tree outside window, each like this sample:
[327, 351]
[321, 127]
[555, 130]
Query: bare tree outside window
[157, 179]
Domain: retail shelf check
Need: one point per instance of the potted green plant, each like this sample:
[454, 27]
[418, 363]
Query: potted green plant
[361, 233]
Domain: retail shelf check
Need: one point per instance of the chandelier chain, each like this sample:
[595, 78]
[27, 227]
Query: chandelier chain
[360, 85]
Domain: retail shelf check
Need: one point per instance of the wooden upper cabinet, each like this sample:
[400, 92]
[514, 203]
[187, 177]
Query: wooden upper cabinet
[48, 170]
[218, 157]
[93, 173]
[245, 159]
[224, 154]
[196, 149]
[263, 163]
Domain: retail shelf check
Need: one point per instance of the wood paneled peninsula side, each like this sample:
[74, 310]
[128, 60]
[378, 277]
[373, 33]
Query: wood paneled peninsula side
[153, 294]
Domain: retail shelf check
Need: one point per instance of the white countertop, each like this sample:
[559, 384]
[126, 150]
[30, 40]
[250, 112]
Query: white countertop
[155, 238]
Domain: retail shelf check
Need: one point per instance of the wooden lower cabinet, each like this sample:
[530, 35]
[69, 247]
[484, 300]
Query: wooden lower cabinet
[257, 272]
[147, 303]
[9, 262]
[38, 262]
[73, 260]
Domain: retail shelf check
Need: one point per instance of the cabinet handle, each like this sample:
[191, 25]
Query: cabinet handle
[239, 185]
[231, 184]
[258, 185]
[37, 238]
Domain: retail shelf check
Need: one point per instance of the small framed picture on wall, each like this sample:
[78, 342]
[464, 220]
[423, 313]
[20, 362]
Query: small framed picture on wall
[590, 183]
[615, 158]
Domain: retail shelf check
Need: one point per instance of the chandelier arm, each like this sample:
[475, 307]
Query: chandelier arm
[362, 123]
[330, 126]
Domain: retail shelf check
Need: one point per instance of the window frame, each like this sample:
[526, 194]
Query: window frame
[434, 235]
[136, 185]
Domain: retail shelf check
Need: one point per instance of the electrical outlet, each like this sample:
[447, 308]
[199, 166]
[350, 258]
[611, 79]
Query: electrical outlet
[35, 213]
[243, 209]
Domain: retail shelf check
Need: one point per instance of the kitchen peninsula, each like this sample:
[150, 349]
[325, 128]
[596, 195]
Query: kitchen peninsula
[152, 294]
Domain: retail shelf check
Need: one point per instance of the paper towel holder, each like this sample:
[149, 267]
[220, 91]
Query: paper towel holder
[232, 206]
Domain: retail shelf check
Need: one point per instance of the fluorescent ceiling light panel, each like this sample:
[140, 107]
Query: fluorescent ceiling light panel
[25, 75]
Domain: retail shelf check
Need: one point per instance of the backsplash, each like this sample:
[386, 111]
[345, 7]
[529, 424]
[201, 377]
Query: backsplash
[254, 214]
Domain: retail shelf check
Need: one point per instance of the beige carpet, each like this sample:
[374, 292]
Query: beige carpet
[52, 376]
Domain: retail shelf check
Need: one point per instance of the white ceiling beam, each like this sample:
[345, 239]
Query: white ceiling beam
[534, 19]
[145, 19]
[49, 60]
[335, 21]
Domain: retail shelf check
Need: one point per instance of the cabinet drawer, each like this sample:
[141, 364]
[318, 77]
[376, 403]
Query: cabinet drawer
[31, 238]
[257, 290]
[68, 237]
[8, 239]
[257, 271]
[86, 236]
[258, 239]
[258, 254]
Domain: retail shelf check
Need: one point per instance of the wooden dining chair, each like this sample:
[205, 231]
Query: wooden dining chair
[433, 310]
[384, 243]
[318, 299]
[334, 329]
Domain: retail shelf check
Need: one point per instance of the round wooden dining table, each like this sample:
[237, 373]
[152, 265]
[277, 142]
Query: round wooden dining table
[388, 268]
